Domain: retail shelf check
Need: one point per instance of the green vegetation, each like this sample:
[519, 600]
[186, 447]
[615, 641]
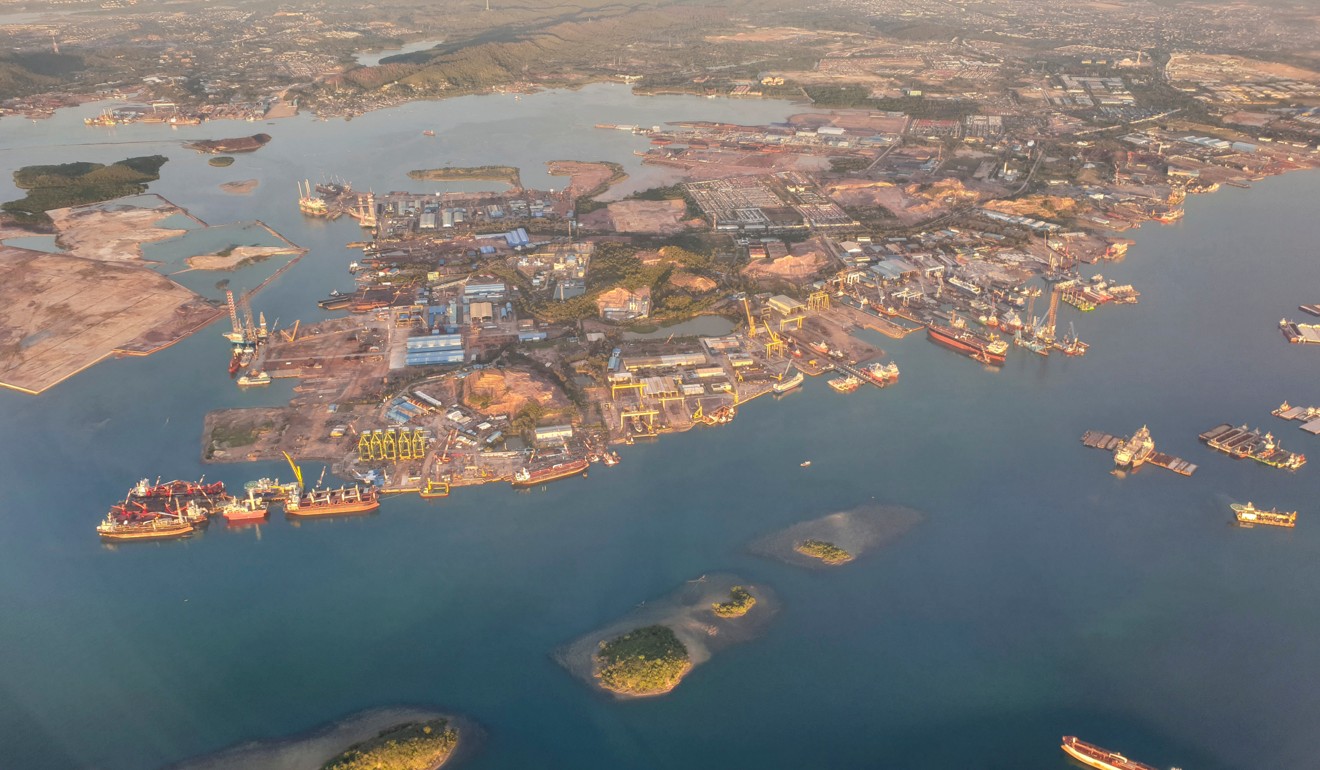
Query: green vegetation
[506, 174]
[849, 163]
[411, 746]
[646, 661]
[225, 437]
[221, 161]
[740, 601]
[77, 184]
[826, 552]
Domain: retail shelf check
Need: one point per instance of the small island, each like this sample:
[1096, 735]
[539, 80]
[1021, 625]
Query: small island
[412, 746]
[76, 184]
[649, 650]
[239, 144]
[739, 603]
[646, 661]
[506, 174]
[221, 161]
[838, 538]
[825, 551]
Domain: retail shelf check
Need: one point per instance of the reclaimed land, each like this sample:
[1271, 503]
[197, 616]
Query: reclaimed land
[587, 179]
[355, 739]
[676, 632]
[506, 174]
[60, 314]
[77, 184]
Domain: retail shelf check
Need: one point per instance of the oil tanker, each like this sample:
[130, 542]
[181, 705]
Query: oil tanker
[1097, 757]
[526, 478]
[987, 351]
[333, 502]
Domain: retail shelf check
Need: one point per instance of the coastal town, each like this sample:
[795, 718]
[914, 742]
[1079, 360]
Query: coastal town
[889, 263]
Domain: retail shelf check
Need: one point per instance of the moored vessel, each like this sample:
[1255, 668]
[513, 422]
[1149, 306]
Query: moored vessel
[785, 385]
[530, 478]
[120, 526]
[845, 384]
[1249, 515]
[1104, 759]
[986, 350]
[333, 502]
[1132, 454]
[251, 508]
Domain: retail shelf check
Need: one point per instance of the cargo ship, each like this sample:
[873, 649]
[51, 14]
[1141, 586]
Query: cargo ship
[526, 478]
[333, 502]
[121, 526]
[784, 386]
[987, 351]
[1249, 515]
[176, 490]
[1097, 757]
[1243, 442]
[1132, 454]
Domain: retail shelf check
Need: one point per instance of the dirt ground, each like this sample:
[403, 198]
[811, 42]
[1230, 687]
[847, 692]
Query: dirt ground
[114, 232]
[505, 392]
[241, 187]
[584, 176]
[666, 217]
[60, 314]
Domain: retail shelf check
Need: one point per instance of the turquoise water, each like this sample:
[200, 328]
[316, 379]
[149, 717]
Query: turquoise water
[1041, 595]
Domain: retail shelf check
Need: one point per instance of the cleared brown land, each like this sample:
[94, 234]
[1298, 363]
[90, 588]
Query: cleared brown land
[585, 177]
[60, 314]
[664, 217]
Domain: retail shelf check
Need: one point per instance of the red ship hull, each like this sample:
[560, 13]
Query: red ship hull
[963, 343]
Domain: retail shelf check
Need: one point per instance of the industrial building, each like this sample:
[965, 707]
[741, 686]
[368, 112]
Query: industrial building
[431, 349]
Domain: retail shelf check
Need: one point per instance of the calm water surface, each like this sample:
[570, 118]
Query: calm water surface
[1041, 596]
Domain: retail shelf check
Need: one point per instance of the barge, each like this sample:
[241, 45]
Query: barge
[1244, 442]
[1249, 516]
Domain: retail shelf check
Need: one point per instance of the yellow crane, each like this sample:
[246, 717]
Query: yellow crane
[291, 335]
[775, 348]
[297, 472]
[751, 322]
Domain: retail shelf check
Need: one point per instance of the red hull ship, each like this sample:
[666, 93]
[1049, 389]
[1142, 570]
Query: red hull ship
[983, 350]
[526, 478]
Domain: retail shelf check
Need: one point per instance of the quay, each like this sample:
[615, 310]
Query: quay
[1244, 442]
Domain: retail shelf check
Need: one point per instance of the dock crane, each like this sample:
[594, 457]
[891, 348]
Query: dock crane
[235, 336]
[291, 335]
[297, 472]
[751, 321]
